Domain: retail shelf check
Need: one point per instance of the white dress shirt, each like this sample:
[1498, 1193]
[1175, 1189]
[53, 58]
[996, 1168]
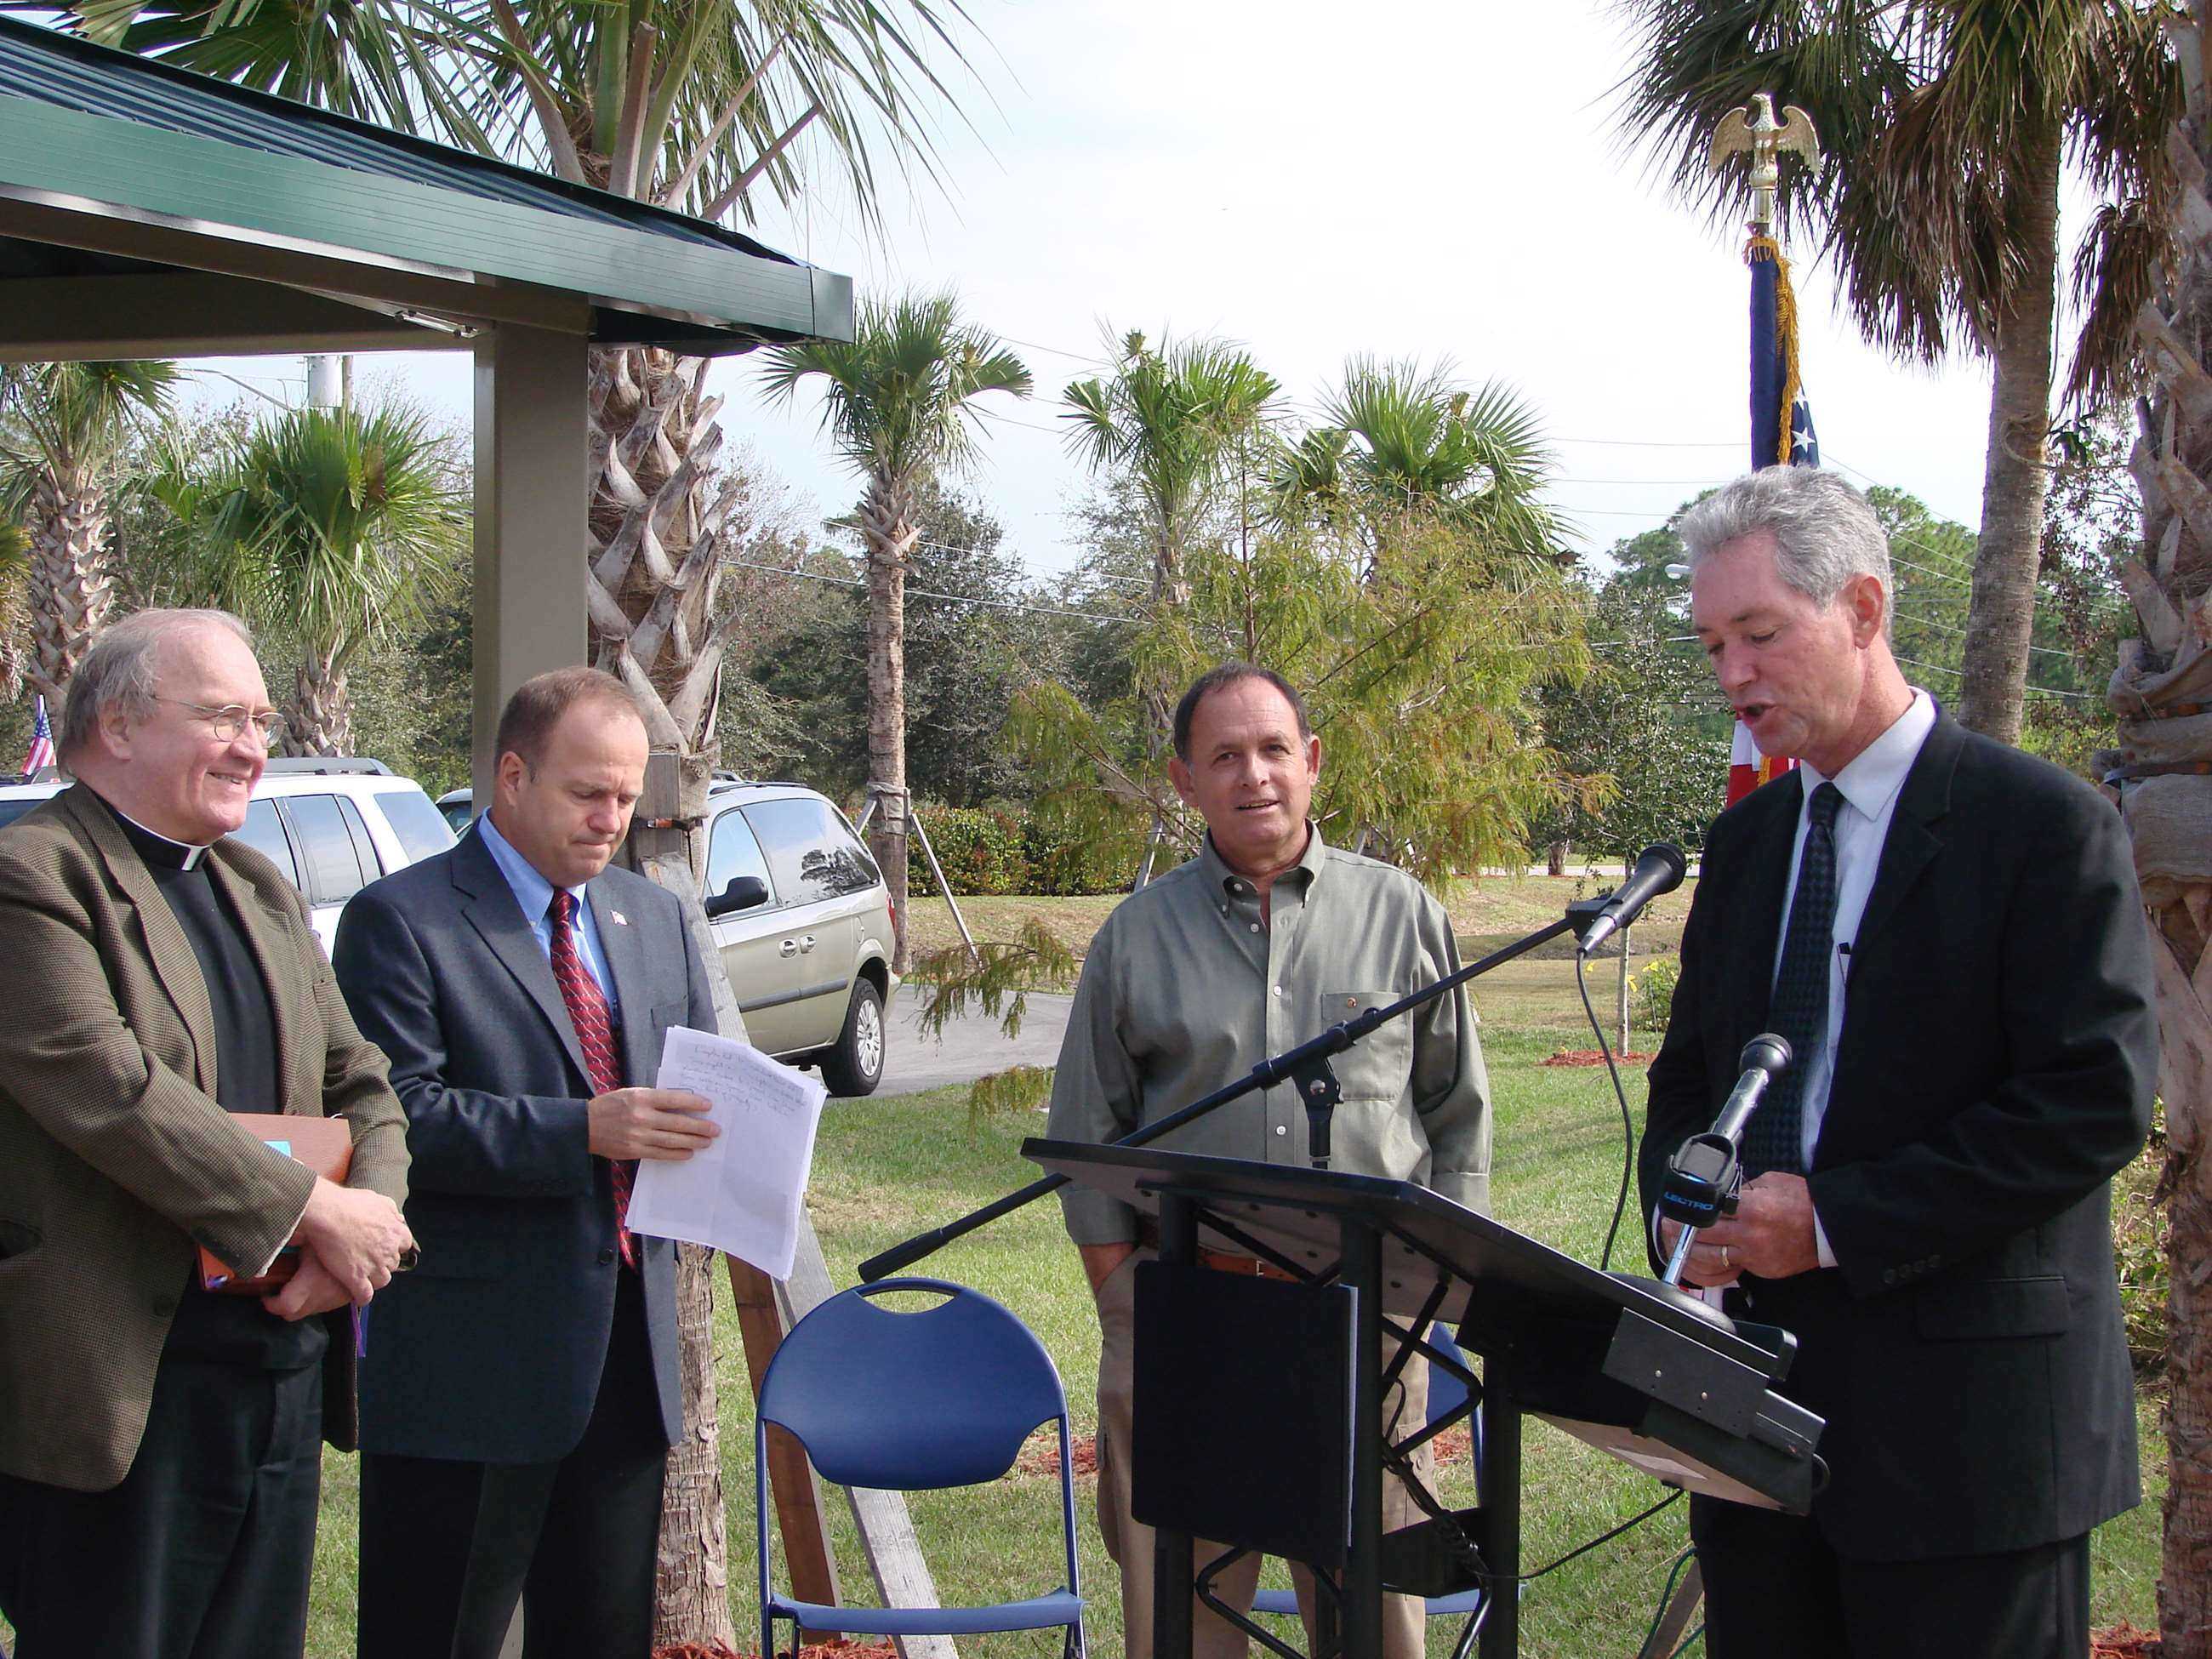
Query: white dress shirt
[1870, 785]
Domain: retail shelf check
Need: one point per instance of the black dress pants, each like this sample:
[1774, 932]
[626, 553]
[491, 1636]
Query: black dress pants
[449, 1547]
[1773, 1586]
[203, 1552]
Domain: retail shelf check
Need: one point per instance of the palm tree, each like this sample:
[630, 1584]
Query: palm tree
[334, 529]
[1176, 422]
[898, 404]
[2166, 799]
[1173, 419]
[63, 428]
[1405, 447]
[1945, 124]
[688, 107]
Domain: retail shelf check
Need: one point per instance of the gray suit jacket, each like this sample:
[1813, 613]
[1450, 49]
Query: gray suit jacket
[114, 1157]
[490, 1350]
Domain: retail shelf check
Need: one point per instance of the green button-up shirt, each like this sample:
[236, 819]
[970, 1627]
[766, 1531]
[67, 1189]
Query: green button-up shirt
[1187, 988]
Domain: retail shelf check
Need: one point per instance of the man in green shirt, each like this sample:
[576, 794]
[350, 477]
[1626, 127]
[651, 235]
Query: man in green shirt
[1266, 938]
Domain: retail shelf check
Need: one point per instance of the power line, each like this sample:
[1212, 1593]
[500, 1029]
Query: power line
[2034, 691]
[926, 592]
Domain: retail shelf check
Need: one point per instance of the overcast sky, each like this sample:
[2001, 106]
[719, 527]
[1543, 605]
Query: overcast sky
[1418, 178]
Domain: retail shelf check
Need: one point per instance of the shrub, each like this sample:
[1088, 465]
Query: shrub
[2139, 1235]
[1651, 993]
[981, 849]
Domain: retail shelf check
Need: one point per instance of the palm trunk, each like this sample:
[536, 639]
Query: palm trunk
[319, 719]
[693, 1604]
[656, 542]
[887, 524]
[2168, 808]
[1993, 670]
[70, 584]
[654, 547]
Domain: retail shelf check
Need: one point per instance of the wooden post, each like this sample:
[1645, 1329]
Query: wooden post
[792, 1486]
[1676, 1618]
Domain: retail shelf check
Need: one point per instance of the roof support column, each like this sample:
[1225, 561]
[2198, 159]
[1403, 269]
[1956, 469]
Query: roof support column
[531, 496]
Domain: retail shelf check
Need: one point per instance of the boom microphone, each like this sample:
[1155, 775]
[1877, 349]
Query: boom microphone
[1659, 869]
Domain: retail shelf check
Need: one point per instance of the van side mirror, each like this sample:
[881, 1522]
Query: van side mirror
[744, 893]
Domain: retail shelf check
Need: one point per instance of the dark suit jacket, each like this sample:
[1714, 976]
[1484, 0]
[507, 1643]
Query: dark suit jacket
[490, 1350]
[115, 1158]
[1997, 1058]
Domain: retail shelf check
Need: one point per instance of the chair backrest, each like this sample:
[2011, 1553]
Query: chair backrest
[908, 1401]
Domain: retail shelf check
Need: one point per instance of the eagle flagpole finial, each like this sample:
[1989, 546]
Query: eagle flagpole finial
[1756, 130]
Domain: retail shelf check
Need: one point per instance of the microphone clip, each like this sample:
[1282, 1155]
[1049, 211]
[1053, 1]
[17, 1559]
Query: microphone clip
[1319, 1091]
[1582, 914]
[1704, 1179]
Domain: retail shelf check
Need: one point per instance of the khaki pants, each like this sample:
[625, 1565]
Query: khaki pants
[1130, 1542]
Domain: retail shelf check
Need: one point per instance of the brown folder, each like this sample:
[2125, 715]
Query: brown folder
[324, 1145]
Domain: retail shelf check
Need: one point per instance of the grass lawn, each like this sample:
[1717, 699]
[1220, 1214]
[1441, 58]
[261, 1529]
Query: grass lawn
[885, 1169]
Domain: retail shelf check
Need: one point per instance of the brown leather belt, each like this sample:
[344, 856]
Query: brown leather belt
[1221, 1261]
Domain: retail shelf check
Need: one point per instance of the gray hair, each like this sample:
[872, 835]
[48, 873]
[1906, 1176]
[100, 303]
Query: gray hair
[122, 670]
[1825, 532]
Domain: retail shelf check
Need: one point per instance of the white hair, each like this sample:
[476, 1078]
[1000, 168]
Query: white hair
[1825, 532]
[123, 669]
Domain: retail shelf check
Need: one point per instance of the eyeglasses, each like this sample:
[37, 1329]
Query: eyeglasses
[226, 723]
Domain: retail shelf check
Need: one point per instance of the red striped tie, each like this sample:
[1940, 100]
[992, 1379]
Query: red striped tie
[587, 1013]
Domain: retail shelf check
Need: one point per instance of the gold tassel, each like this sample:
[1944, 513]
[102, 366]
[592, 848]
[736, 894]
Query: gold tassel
[1785, 339]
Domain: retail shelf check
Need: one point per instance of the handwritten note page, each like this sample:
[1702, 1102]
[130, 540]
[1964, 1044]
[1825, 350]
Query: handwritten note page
[741, 1195]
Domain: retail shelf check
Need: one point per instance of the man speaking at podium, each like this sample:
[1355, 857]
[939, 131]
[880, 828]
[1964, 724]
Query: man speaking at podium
[1949, 934]
[1266, 938]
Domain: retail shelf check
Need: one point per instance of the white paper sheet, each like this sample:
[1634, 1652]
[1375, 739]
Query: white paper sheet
[741, 1194]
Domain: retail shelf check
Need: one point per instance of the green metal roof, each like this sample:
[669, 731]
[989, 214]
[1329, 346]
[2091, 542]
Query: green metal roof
[113, 135]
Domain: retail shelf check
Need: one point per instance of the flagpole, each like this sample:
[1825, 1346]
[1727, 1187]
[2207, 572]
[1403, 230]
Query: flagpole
[1777, 434]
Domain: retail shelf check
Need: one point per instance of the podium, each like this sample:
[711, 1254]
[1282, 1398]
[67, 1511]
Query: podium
[1630, 1366]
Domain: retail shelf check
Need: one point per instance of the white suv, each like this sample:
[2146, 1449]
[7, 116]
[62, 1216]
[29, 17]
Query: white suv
[332, 825]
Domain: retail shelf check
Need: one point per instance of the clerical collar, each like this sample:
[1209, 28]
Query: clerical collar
[156, 849]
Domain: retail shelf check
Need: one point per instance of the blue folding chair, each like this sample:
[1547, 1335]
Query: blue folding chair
[1447, 1394]
[912, 1401]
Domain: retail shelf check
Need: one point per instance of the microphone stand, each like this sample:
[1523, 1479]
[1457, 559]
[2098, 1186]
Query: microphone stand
[1307, 1063]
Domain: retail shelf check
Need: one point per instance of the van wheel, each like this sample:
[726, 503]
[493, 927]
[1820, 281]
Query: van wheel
[855, 1066]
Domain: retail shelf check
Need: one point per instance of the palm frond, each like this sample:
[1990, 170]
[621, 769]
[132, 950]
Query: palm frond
[899, 396]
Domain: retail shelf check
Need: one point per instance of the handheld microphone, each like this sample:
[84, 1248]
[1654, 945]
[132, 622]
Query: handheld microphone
[1659, 869]
[1706, 1172]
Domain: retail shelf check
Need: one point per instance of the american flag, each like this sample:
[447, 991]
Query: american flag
[1781, 430]
[42, 745]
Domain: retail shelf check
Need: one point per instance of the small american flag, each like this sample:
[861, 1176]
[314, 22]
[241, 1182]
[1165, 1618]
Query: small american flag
[42, 745]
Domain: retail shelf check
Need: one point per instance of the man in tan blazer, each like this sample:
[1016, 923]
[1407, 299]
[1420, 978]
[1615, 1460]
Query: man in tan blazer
[160, 1445]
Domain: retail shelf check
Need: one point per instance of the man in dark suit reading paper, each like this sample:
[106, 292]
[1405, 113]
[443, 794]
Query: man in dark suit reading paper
[1949, 934]
[519, 1397]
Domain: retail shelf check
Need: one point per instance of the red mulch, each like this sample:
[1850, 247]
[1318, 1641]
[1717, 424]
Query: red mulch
[1041, 1455]
[2124, 1641]
[1593, 1057]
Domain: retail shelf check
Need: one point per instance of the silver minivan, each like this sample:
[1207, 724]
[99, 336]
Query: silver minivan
[805, 924]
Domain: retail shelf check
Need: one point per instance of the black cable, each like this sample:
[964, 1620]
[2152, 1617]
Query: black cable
[1674, 1496]
[1666, 1596]
[1627, 1127]
[1687, 1640]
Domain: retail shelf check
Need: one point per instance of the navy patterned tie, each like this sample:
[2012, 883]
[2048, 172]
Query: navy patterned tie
[1774, 1140]
[587, 1013]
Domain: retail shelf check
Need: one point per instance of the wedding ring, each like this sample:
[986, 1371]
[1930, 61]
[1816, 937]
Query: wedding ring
[1724, 1255]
